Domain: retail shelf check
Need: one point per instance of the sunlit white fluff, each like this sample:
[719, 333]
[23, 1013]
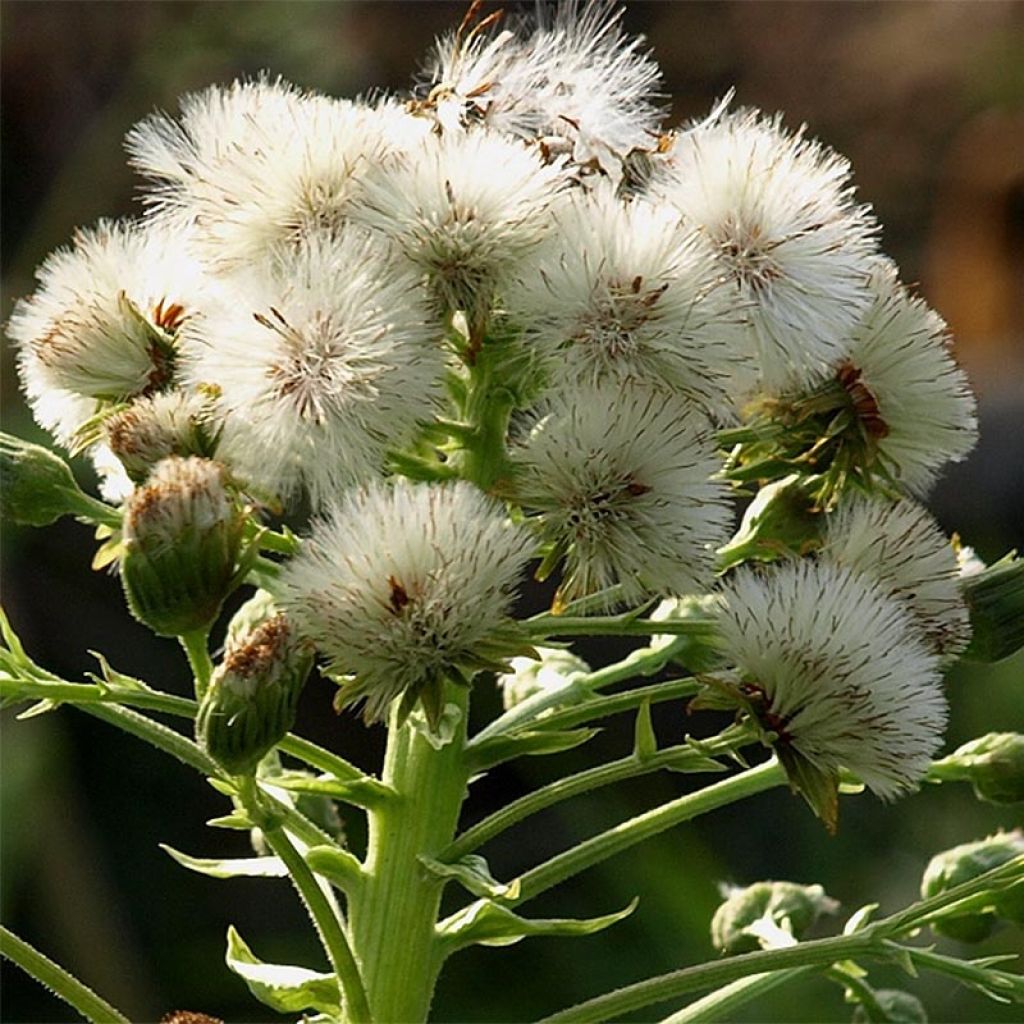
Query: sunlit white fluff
[464, 208]
[261, 163]
[322, 362]
[621, 291]
[621, 478]
[102, 320]
[778, 210]
[553, 669]
[575, 80]
[846, 682]
[401, 582]
[901, 355]
[901, 547]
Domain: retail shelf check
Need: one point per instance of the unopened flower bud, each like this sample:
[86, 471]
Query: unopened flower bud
[780, 520]
[993, 764]
[962, 863]
[899, 1008]
[783, 905]
[150, 429]
[551, 671]
[995, 598]
[252, 697]
[182, 535]
[37, 486]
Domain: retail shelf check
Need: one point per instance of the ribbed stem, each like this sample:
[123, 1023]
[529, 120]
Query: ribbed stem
[394, 913]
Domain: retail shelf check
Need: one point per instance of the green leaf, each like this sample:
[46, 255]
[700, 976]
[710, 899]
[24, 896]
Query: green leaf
[522, 744]
[236, 820]
[241, 867]
[818, 787]
[645, 743]
[283, 987]
[113, 678]
[489, 924]
[473, 873]
[41, 707]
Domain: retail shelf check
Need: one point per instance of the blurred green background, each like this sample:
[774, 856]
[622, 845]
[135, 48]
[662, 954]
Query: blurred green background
[926, 99]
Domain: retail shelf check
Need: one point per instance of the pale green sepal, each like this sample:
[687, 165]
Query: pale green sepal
[41, 707]
[339, 867]
[473, 873]
[505, 748]
[860, 918]
[239, 867]
[487, 923]
[645, 743]
[236, 820]
[282, 987]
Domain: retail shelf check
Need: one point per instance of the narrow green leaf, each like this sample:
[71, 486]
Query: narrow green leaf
[236, 820]
[505, 748]
[112, 677]
[41, 707]
[473, 873]
[241, 867]
[282, 987]
[489, 924]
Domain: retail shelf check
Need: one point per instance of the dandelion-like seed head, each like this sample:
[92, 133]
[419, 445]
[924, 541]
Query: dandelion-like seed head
[259, 164]
[839, 676]
[574, 80]
[778, 210]
[901, 547]
[621, 477]
[322, 362]
[101, 325]
[405, 584]
[464, 208]
[620, 291]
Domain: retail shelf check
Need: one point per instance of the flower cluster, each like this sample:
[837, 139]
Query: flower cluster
[517, 280]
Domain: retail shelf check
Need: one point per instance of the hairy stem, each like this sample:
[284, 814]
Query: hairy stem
[61, 983]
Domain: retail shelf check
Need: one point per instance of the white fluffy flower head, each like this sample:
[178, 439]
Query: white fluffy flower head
[620, 291]
[102, 322]
[906, 387]
[260, 163]
[322, 363]
[621, 477]
[778, 210]
[575, 81]
[843, 680]
[901, 547]
[404, 584]
[464, 208]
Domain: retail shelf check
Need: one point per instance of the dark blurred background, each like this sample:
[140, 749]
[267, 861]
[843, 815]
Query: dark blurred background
[926, 99]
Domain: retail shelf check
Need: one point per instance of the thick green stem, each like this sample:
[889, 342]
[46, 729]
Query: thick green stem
[394, 913]
[62, 984]
[683, 757]
[328, 927]
[600, 847]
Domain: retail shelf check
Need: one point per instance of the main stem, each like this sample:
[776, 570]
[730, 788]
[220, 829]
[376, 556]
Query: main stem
[394, 913]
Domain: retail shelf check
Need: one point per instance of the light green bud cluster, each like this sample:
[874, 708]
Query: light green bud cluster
[993, 764]
[962, 863]
[783, 905]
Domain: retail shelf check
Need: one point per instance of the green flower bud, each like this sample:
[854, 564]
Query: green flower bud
[782, 519]
[37, 487]
[782, 905]
[253, 695]
[551, 671]
[995, 598]
[899, 1008]
[962, 863]
[694, 652]
[993, 764]
[182, 536]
